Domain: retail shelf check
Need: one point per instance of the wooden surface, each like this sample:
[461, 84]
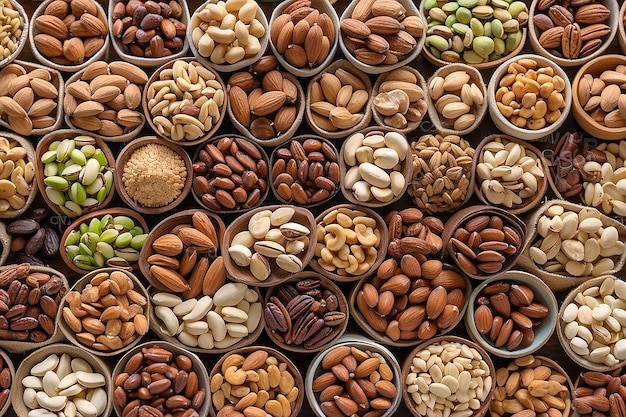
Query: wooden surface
[552, 349]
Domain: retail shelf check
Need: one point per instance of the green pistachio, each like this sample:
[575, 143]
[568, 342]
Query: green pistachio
[497, 30]
[450, 7]
[511, 26]
[463, 15]
[460, 28]
[502, 15]
[472, 57]
[483, 12]
[513, 40]
[468, 3]
[437, 14]
[429, 4]
[483, 46]
[477, 27]
[437, 42]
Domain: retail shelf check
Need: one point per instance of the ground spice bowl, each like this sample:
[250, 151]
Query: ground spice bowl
[244, 352]
[381, 226]
[530, 202]
[30, 157]
[37, 356]
[79, 286]
[325, 284]
[277, 275]
[198, 367]
[406, 370]
[125, 155]
[363, 344]
[9, 364]
[543, 332]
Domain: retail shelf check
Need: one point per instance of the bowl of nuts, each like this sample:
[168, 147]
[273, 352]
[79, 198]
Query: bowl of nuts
[338, 101]
[620, 28]
[338, 377]
[13, 11]
[19, 186]
[137, 43]
[447, 353]
[380, 37]
[585, 387]
[69, 48]
[269, 244]
[7, 375]
[533, 107]
[511, 315]
[598, 92]
[588, 326]
[456, 99]
[572, 35]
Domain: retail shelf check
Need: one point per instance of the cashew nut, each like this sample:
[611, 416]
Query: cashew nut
[338, 237]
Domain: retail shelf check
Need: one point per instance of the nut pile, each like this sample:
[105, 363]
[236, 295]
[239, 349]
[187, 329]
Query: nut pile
[306, 172]
[510, 174]
[255, 384]
[412, 233]
[180, 261]
[156, 379]
[374, 165]
[571, 31]
[29, 303]
[441, 172]
[227, 33]
[70, 32]
[530, 383]
[594, 320]
[113, 241]
[30, 237]
[338, 100]
[569, 157]
[17, 176]
[77, 175]
[380, 32]
[400, 100]
[599, 393]
[148, 28]
[271, 239]
[485, 243]
[413, 299]
[216, 320]
[457, 99]
[264, 100]
[185, 101]
[348, 242]
[28, 99]
[64, 383]
[5, 382]
[108, 313]
[14, 22]
[231, 174]
[474, 32]
[105, 98]
[459, 379]
[531, 96]
[575, 243]
[354, 380]
[601, 97]
[307, 314]
[506, 314]
[303, 35]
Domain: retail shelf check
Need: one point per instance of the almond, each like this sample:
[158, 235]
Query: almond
[168, 245]
[285, 117]
[411, 318]
[366, 368]
[53, 26]
[284, 37]
[313, 43]
[384, 25]
[170, 279]
[448, 317]
[398, 285]
[254, 360]
[192, 237]
[203, 223]
[355, 28]
[363, 10]
[129, 71]
[239, 105]
[436, 302]
[48, 46]
[277, 26]
[268, 103]
[483, 319]
[215, 277]
[74, 50]
[296, 56]
[374, 320]
[335, 356]
[83, 6]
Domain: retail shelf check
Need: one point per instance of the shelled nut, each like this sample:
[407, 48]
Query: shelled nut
[457, 99]
[33, 236]
[412, 233]
[400, 99]
[5, 382]
[592, 386]
[18, 175]
[602, 98]
[14, 21]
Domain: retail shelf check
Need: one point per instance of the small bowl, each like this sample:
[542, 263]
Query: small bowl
[595, 67]
[23, 37]
[560, 327]
[299, 383]
[363, 344]
[30, 157]
[274, 158]
[382, 247]
[277, 275]
[221, 68]
[42, 147]
[97, 364]
[411, 10]
[165, 226]
[535, 33]
[503, 124]
[382, 337]
[147, 62]
[34, 31]
[530, 202]
[284, 136]
[620, 29]
[379, 119]
[9, 364]
[481, 112]
[406, 370]
[80, 286]
[406, 170]
[367, 108]
[326, 284]
[123, 158]
[198, 367]
[5, 242]
[117, 211]
[155, 77]
[543, 294]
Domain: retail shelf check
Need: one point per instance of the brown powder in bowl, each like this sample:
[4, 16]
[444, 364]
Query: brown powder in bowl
[154, 175]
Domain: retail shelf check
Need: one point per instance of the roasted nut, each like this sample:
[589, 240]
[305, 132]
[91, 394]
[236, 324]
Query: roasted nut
[400, 100]
[457, 97]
